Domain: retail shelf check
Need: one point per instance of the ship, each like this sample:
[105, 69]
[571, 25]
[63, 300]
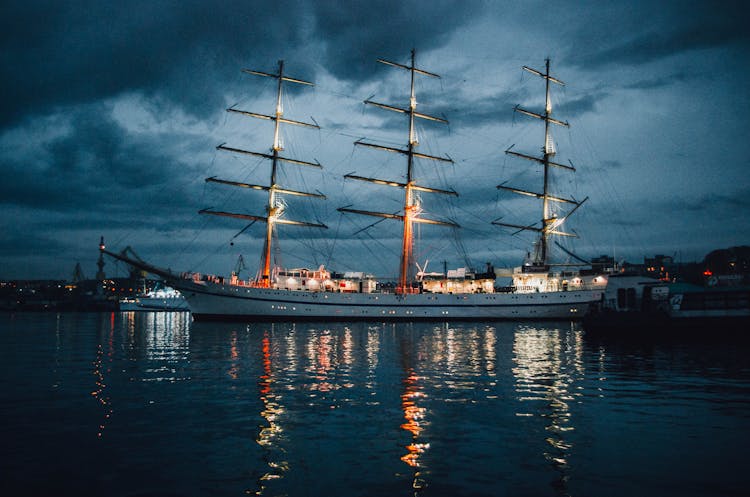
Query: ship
[160, 298]
[276, 293]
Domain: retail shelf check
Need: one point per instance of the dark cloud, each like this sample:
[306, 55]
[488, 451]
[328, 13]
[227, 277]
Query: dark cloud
[361, 31]
[580, 105]
[490, 110]
[93, 162]
[728, 204]
[659, 82]
[62, 53]
[22, 245]
[108, 114]
[499, 107]
[668, 29]
[629, 223]
[604, 166]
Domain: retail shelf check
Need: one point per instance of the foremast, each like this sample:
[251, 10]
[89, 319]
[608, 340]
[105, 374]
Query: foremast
[274, 208]
[550, 222]
[411, 210]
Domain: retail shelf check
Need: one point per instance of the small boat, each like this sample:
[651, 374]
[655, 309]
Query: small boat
[161, 298]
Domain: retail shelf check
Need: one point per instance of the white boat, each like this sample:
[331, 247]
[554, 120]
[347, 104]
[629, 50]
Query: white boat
[536, 292]
[161, 298]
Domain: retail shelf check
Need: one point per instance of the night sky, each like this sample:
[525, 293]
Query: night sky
[111, 113]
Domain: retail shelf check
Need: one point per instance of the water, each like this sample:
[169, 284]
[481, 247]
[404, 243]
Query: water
[152, 404]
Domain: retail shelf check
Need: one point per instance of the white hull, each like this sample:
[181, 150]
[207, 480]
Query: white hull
[208, 300]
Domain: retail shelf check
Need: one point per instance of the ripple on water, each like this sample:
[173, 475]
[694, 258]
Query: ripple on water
[135, 403]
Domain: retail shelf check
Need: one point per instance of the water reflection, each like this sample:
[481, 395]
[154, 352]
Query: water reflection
[164, 337]
[102, 368]
[372, 349]
[318, 384]
[367, 409]
[234, 357]
[414, 415]
[159, 339]
[271, 431]
[548, 369]
[319, 353]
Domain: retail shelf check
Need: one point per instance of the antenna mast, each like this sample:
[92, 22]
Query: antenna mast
[275, 208]
[412, 209]
[550, 222]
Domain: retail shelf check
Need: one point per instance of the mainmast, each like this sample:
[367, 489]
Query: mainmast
[411, 211]
[550, 222]
[275, 207]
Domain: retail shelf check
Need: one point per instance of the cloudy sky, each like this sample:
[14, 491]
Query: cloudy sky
[110, 114]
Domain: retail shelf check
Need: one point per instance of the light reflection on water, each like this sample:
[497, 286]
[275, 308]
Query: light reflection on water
[547, 370]
[102, 367]
[415, 425]
[271, 431]
[188, 408]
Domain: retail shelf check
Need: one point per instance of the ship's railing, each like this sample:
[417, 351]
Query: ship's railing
[198, 277]
[555, 287]
[407, 290]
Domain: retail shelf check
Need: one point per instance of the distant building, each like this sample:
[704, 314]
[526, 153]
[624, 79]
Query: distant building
[660, 266]
[727, 267]
[602, 263]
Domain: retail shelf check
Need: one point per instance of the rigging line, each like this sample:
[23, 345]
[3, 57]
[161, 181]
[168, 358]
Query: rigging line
[470, 213]
[192, 241]
[380, 242]
[355, 98]
[379, 257]
[276, 247]
[323, 253]
[604, 183]
[373, 255]
[460, 247]
[205, 222]
[436, 245]
[205, 185]
[312, 243]
[243, 230]
[335, 239]
[208, 256]
[291, 255]
[159, 194]
[371, 225]
[310, 204]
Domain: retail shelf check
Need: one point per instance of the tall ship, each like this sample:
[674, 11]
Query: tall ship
[279, 293]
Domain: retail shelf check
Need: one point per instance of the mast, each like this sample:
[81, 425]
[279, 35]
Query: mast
[411, 209]
[550, 222]
[274, 208]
